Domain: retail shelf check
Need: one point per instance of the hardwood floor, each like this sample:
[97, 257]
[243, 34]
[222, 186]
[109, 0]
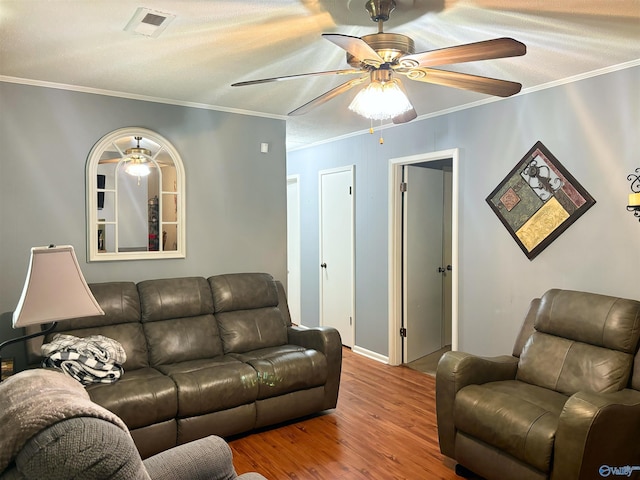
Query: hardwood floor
[429, 363]
[383, 428]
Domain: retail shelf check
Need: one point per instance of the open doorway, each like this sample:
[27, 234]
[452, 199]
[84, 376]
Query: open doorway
[431, 276]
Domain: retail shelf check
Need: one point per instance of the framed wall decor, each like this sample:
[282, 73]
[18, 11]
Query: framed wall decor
[538, 200]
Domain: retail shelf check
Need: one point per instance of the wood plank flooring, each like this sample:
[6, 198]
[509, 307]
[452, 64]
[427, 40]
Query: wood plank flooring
[429, 363]
[384, 428]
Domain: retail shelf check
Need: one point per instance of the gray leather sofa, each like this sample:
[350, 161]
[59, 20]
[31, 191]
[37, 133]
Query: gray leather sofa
[209, 356]
[564, 406]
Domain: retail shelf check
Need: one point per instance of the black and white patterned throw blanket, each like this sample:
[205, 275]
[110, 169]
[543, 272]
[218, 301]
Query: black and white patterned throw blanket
[94, 359]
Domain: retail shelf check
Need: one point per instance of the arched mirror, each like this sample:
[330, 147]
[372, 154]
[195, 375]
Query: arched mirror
[135, 197]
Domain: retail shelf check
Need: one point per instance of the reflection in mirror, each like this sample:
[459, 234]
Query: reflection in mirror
[135, 197]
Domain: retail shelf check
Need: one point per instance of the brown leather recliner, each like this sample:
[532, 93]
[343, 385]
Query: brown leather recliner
[565, 405]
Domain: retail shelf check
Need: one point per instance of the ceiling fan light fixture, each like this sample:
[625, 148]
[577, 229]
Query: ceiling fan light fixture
[380, 101]
[137, 168]
[137, 160]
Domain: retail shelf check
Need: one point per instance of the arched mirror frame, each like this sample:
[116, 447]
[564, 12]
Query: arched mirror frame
[108, 142]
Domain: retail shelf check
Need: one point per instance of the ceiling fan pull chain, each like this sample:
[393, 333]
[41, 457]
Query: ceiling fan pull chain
[371, 127]
[381, 141]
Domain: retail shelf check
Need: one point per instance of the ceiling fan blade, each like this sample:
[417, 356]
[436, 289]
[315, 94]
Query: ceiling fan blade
[325, 97]
[300, 75]
[409, 114]
[471, 52]
[490, 86]
[356, 47]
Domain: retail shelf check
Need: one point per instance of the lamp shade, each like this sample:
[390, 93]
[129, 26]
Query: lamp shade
[55, 289]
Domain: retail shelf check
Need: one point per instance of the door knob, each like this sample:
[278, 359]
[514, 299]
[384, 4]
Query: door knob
[441, 270]
[323, 265]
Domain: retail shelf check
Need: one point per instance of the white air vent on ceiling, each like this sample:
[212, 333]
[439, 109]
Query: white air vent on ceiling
[150, 23]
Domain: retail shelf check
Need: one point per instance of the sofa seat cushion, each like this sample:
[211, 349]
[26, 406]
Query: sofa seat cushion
[141, 397]
[516, 417]
[286, 368]
[211, 385]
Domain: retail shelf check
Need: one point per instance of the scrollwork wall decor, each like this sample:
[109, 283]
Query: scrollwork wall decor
[634, 197]
[538, 200]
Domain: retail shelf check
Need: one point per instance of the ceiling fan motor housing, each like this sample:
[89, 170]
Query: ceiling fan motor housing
[390, 46]
[380, 9]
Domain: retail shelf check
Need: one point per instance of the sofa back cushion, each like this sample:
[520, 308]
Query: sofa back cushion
[121, 321]
[243, 291]
[600, 320]
[568, 366]
[174, 298]
[583, 341]
[177, 315]
[246, 308]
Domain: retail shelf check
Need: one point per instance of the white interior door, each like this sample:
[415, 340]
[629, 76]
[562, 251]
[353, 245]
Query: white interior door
[447, 261]
[293, 248]
[336, 263]
[422, 261]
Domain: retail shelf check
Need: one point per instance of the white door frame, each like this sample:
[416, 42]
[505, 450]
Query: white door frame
[294, 300]
[395, 247]
[352, 267]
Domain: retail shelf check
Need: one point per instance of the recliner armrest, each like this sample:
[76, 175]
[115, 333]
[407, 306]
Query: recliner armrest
[598, 431]
[208, 458]
[465, 369]
[326, 340]
[457, 370]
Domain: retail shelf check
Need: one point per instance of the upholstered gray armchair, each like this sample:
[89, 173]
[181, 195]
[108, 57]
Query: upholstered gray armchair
[51, 430]
[565, 405]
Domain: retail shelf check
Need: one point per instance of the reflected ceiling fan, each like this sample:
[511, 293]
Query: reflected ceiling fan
[382, 57]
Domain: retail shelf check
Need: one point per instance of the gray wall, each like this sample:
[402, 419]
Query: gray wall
[591, 126]
[236, 196]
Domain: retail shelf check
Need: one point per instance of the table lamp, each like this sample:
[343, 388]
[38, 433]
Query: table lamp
[55, 289]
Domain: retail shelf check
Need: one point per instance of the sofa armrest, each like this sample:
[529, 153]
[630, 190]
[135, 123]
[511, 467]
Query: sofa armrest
[326, 340]
[457, 370]
[208, 458]
[598, 430]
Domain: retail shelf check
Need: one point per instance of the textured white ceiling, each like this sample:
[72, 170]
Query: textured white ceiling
[213, 43]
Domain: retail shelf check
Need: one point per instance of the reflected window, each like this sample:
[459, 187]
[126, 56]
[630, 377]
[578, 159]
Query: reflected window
[135, 197]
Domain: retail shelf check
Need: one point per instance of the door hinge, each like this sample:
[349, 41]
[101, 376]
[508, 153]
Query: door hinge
[349, 189]
[403, 332]
[350, 321]
[403, 186]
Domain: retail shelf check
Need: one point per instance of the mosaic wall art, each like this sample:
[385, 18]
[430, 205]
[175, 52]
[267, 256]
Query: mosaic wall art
[538, 200]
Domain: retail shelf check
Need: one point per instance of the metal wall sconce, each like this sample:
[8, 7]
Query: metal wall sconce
[634, 198]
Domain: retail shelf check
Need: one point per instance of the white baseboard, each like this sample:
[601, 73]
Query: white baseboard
[369, 354]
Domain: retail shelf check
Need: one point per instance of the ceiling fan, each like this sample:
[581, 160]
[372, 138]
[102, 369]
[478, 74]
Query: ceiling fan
[381, 56]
